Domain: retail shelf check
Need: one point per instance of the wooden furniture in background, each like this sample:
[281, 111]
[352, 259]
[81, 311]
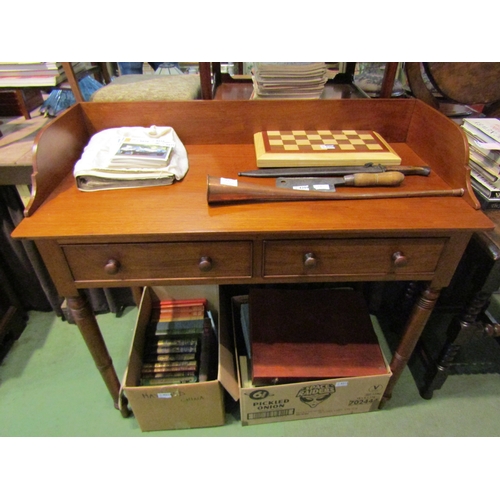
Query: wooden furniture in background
[13, 318]
[458, 83]
[460, 337]
[98, 70]
[20, 102]
[170, 235]
[16, 149]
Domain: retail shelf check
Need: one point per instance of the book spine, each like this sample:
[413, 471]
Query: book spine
[177, 366]
[169, 373]
[486, 172]
[180, 326]
[477, 134]
[490, 127]
[486, 187]
[169, 381]
[487, 203]
[172, 350]
[180, 303]
[171, 357]
[168, 342]
[166, 316]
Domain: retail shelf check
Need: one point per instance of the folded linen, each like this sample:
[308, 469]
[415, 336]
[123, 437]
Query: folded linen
[93, 171]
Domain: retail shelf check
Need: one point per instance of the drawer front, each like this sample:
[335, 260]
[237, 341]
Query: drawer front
[159, 260]
[352, 257]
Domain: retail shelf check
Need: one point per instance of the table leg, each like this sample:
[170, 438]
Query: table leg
[416, 323]
[85, 320]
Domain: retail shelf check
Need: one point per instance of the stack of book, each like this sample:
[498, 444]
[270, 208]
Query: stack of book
[34, 74]
[289, 80]
[179, 343]
[146, 154]
[483, 136]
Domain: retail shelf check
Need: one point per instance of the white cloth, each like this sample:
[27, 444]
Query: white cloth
[96, 157]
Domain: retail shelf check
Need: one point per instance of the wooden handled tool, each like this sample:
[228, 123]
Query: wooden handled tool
[221, 190]
[330, 183]
[333, 171]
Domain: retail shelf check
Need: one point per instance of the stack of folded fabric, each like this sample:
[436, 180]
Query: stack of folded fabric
[297, 80]
[127, 157]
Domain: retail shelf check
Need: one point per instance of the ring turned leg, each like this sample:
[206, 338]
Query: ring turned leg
[85, 320]
[416, 323]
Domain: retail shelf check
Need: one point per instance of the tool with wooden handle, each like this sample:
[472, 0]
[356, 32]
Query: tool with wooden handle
[333, 171]
[221, 190]
[329, 183]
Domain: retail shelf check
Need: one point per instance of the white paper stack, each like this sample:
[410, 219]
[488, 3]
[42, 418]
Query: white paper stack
[483, 135]
[289, 80]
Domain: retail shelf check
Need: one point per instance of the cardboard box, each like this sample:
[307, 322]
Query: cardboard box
[181, 406]
[302, 400]
[201, 404]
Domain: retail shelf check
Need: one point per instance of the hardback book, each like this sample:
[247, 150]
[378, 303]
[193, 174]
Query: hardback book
[316, 148]
[208, 354]
[486, 202]
[180, 327]
[178, 314]
[168, 380]
[310, 334]
[179, 350]
[245, 375]
[488, 156]
[480, 182]
[486, 131]
[491, 168]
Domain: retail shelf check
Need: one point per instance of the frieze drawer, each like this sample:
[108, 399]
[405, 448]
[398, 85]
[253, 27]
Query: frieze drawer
[344, 257]
[159, 260]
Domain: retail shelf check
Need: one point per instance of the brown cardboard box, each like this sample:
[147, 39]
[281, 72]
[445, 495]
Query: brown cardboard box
[181, 406]
[298, 401]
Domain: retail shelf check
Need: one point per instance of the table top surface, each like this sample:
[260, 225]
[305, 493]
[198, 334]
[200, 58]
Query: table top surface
[181, 210]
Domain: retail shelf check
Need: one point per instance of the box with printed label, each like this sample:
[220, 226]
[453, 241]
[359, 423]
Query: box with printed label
[181, 405]
[301, 400]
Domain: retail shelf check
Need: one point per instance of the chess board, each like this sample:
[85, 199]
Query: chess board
[316, 148]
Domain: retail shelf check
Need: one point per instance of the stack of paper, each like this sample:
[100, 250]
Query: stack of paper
[297, 80]
[483, 135]
[34, 74]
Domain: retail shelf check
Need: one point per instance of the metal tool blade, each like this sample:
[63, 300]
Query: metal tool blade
[312, 171]
[326, 184]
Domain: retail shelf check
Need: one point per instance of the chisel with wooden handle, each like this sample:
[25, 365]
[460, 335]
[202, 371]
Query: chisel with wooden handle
[330, 183]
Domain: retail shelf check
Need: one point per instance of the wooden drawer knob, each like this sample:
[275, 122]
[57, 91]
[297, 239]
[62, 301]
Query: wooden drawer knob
[112, 266]
[310, 260]
[399, 259]
[205, 264]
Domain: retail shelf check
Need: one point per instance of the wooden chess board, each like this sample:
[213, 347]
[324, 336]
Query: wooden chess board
[316, 148]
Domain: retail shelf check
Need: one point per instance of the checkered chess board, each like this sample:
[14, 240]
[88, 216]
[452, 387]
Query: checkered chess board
[322, 147]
